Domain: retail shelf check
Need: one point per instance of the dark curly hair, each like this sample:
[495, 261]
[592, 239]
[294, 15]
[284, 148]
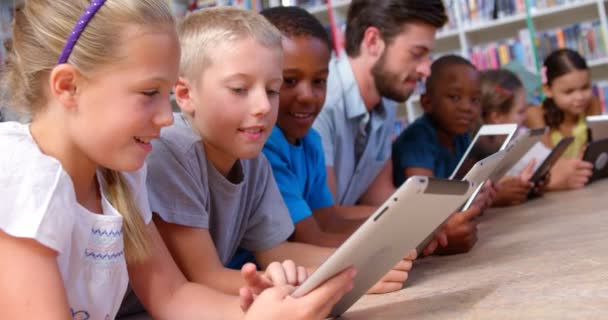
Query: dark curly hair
[295, 21]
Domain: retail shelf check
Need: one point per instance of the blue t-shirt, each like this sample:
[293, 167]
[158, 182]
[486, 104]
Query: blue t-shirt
[418, 147]
[300, 173]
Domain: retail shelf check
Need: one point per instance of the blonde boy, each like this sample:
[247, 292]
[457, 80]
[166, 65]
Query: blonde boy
[211, 188]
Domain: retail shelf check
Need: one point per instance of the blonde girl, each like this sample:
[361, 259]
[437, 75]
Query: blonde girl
[95, 76]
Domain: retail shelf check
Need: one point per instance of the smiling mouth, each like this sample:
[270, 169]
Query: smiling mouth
[252, 130]
[301, 115]
[142, 140]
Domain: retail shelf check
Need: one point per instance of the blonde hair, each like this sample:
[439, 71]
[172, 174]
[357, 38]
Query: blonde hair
[203, 30]
[40, 31]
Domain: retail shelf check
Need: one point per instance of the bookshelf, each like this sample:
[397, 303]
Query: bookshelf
[473, 33]
[521, 30]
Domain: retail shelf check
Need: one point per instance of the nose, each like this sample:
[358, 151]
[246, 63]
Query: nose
[164, 115]
[424, 68]
[261, 104]
[306, 94]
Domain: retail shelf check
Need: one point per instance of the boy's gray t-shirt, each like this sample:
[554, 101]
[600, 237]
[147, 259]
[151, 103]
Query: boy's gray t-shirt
[186, 189]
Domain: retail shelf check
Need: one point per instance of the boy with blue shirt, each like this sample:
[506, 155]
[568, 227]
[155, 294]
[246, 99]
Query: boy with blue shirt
[434, 144]
[294, 149]
[418, 146]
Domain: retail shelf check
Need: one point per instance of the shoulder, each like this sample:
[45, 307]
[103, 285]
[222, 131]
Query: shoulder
[276, 141]
[20, 157]
[312, 144]
[177, 147]
[420, 130]
[312, 139]
[36, 195]
[256, 169]
[179, 136]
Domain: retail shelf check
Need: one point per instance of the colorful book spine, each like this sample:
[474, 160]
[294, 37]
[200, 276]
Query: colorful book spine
[586, 37]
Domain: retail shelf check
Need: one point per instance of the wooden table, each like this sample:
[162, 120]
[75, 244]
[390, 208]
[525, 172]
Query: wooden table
[547, 259]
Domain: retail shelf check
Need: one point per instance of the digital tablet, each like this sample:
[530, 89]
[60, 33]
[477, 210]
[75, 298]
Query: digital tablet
[514, 151]
[597, 154]
[598, 127]
[398, 226]
[477, 176]
[551, 159]
[488, 140]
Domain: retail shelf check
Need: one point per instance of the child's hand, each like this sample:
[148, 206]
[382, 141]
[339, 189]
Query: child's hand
[276, 303]
[486, 196]
[540, 187]
[570, 174]
[513, 191]
[277, 274]
[394, 279]
[440, 239]
[461, 230]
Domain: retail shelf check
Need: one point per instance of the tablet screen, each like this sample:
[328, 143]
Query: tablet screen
[483, 146]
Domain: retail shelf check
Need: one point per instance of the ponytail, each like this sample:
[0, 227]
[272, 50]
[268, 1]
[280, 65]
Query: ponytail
[553, 115]
[136, 240]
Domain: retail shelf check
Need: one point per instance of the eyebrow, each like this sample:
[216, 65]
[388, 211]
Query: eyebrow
[422, 47]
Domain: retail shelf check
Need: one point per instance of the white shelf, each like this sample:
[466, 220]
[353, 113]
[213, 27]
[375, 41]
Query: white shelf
[443, 34]
[597, 62]
[484, 25]
[562, 8]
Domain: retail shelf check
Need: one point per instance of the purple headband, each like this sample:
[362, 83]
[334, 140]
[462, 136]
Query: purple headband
[82, 23]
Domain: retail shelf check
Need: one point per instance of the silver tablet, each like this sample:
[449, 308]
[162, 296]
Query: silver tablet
[488, 140]
[516, 149]
[513, 152]
[598, 126]
[399, 225]
[477, 176]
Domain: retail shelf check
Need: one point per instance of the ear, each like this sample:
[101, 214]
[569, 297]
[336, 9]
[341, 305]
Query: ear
[64, 82]
[183, 95]
[547, 91]
[425, 102]
[373, 43]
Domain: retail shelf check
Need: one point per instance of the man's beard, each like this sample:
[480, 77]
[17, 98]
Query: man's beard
[386, 82]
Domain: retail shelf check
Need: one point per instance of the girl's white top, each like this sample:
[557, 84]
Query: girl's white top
[38, 201]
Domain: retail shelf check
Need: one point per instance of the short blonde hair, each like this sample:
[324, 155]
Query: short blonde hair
[40, 31]
[203, 30]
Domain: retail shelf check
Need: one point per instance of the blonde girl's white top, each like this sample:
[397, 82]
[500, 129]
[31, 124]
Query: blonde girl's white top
[38, 201]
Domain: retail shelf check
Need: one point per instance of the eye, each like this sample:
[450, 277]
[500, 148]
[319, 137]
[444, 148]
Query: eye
[272, 93]
[150, 93]
[417, 54]
[454, 98]
[239, 91]
[290, 82]
[320, 82]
